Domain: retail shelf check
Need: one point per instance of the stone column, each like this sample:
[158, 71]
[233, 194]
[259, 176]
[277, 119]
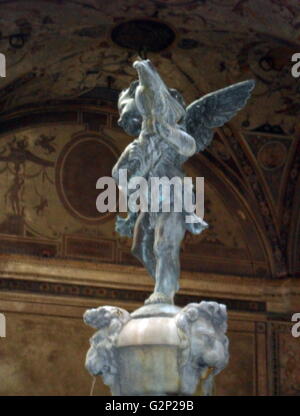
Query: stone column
[158, 349]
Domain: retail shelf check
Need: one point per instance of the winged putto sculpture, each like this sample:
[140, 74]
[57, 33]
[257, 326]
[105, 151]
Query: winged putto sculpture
[168, 133]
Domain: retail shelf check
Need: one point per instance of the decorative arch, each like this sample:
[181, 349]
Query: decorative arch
[259, 253]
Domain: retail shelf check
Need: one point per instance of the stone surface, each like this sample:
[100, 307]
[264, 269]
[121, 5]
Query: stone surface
[155, 310]
[149, 331]
[158, 355]
[149, 370]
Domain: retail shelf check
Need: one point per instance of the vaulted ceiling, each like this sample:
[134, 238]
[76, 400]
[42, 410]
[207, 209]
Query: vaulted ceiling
[66, 50]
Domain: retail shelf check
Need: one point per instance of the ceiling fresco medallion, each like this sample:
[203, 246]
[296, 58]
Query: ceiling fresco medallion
[272, 155]
[143, 34]
[81, 163]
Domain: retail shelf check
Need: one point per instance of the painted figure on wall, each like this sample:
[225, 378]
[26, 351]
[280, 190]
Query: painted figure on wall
[15, 156]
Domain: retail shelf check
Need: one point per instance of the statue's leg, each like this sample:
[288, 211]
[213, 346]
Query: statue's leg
[143, 241]
[169, 232]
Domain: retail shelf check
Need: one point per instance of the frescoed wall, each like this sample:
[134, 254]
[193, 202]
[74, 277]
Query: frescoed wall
[48, 181]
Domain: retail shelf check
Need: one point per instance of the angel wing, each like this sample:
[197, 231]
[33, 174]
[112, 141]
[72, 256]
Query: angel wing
[214, 110]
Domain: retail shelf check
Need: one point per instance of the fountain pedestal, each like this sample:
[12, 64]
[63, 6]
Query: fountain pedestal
[158, 349]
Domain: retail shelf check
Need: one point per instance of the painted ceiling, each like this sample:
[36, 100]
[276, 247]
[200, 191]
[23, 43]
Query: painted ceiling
[65, 50]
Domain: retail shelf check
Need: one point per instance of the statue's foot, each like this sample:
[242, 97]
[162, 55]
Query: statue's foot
[158, 297]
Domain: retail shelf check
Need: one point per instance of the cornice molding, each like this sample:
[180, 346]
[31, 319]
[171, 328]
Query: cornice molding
[73, 278]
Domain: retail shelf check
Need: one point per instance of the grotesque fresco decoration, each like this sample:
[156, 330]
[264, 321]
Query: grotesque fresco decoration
[75, 161]
[271, 151]
[15, 156]
[39, 187]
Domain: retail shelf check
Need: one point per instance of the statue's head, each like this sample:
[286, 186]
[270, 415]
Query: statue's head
[154, 98]
[130, 118]
[129, 103]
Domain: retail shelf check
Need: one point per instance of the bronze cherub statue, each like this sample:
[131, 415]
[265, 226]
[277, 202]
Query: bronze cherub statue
[168, 133]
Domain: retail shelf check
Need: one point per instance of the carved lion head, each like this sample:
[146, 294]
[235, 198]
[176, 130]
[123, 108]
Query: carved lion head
[205, 353]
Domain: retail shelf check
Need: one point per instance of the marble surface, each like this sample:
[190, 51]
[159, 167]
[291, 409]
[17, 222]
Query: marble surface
[158, 355]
